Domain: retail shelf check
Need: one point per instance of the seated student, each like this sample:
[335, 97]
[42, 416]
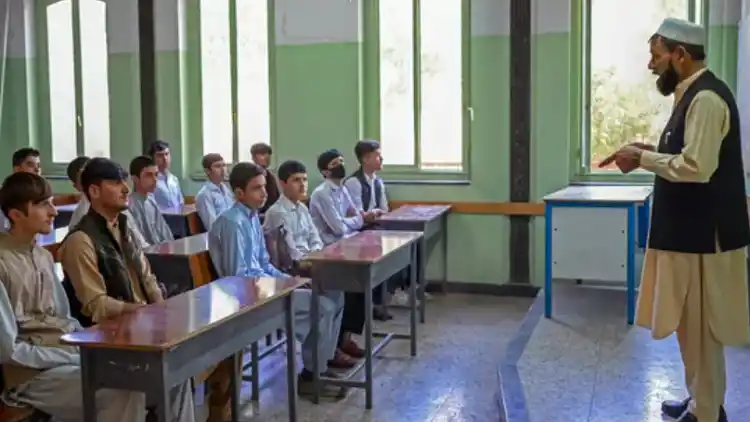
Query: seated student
[368, 193]
[302, 237]
[335, 217]
[143, 207]
[215, 196]
[237, 247]
[106, 271]
[34, 313]
[261, 155]
[168, 194]
[74, 173]
[24, 160]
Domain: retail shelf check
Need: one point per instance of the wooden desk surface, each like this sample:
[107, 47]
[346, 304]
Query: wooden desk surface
[184, 210]
[55, 237]
[416, 213]
[66, 207]
[612, 194]
[366, 247]
[161, 326]
[190, 245]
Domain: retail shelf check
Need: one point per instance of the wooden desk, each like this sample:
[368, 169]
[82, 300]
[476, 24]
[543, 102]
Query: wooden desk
[165, 344]
[64, 214]
[432, 220]
[182, 264]
[183, 221]
[359, 264]
[52, 241]
[591, 233]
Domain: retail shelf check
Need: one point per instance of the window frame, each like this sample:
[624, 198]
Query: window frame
[42, 85]
[580, 127]
[369, 61]
[194, 99]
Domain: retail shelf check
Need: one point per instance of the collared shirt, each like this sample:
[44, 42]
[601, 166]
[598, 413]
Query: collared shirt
[354, 186]
[334, 213]
[212, 200]
[83, 207]
[78, 257]
[301, 234]
[237, 245]
[34, 310]
[149, 219]
[168, 193]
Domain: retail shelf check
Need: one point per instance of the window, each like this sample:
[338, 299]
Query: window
[423, 100]
[77, 69]
[235, 81]
[621, 103]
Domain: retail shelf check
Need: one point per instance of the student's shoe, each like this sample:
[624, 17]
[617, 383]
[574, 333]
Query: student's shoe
[341, 361]
[381, 314]
[678, 410]
[689, 417]
[306, 388]
[351, 348]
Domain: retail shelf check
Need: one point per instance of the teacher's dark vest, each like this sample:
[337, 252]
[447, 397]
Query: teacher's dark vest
[111, 261]
[694, 217]
[366, 190]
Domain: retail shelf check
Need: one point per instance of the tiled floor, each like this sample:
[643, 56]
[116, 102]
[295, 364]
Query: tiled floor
[586, 364]
[453, 378]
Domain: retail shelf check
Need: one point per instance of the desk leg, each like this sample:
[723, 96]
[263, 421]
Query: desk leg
[444, 286]
[89, 384]
[255, 368]
[291, 361]
[315, 333]
[547, 261]
[163, 402]
[413, 281]
[234, 385]
[368, 348]
[420, 259]
[631, 239]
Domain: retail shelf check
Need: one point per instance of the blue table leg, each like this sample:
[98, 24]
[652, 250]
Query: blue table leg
[631, 239]
[547, 261]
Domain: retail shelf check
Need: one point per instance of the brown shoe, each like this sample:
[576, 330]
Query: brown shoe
[306, 388]
[351, 348]
[341, 361]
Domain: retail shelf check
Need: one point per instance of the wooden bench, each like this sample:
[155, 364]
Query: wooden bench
[167, 343]
[182, 264]
[183, 221]
[52, 241]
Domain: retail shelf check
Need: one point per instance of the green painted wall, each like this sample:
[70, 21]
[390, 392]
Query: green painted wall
[317, 107]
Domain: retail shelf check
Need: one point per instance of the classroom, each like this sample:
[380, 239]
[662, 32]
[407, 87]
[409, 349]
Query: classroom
[374, 210]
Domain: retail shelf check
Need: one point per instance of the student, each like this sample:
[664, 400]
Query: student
[215, 196]
[24, 160]
[40, 371]
[261, 155]
[106, 271]
[301, 234]
[74, 173]
[366, 189]
[237, 247]
[146, 213]
[168, 194]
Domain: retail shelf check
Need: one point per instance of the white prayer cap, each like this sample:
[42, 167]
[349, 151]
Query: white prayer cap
[682, 31]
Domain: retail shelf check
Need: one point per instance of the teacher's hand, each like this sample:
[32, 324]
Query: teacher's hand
[627, 158]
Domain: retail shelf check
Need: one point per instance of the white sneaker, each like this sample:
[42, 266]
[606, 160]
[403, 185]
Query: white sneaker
[400, 298]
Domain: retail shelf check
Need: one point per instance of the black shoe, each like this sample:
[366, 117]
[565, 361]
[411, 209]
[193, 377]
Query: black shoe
[381, 314]
[678, 410]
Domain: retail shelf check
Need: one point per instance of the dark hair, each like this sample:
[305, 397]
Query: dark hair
[288, 168]
[243, 173]
[157, 146]
[326, 157]
[20, 189]
[696, 52]
[22, 154]
[261, 148]
[365, 147]
[139, 163]
[75, 167]
[99, 169]
[209, 160]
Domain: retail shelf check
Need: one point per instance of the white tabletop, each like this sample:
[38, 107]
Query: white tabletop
[601, 193]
